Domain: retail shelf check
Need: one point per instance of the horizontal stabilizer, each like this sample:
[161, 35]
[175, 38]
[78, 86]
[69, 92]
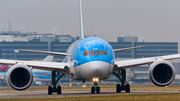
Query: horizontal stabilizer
[48, 59]
[45, 52]
[123, 49]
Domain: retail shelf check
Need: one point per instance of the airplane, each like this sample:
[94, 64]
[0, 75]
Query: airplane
[89, 59]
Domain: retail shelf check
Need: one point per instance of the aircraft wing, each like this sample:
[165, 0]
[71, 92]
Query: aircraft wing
[125, 64]
[45, 52]
[49, 66]
[123, 49]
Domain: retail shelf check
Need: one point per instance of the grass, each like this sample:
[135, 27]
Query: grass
[131, 97]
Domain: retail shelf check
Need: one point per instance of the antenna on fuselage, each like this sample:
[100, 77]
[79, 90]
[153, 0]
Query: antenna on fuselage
[81, 21]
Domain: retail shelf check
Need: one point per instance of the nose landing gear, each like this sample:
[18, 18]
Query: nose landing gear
[121, 75]
[95, 88]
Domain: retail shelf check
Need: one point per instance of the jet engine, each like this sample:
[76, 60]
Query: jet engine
[162, 73]
[19, 77]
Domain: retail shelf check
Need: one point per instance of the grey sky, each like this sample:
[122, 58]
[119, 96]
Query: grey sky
[151, 20]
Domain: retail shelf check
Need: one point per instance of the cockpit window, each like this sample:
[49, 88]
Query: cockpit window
[104, 52]
[99, 52]
[85, 53]
[91, 52]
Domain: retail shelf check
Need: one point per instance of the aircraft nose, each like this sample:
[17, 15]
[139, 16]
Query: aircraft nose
[95, 69]
[99, 69]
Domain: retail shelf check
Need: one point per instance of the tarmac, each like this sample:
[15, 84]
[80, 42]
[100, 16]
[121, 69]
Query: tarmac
[43, 94]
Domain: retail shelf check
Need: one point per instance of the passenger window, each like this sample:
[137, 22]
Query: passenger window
[99, 52]
[85, 53]
[104, 52]
[91, 52]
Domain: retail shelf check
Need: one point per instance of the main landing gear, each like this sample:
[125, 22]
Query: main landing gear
[121, 75]
[95, 88]
[53, 88]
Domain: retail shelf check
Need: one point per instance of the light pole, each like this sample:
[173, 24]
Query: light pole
[158, 52]
[3, 55]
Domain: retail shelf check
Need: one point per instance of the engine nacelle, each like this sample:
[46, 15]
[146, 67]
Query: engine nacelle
[19, 77]
[162, 73]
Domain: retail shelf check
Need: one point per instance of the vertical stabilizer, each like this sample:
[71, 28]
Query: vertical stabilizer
[81, 21]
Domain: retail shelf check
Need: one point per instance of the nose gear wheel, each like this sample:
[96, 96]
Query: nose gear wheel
[95, 88]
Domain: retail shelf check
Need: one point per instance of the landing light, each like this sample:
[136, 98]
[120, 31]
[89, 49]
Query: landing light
[95, 79]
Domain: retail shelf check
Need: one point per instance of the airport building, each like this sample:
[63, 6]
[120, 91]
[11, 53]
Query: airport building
[62, 42]
[151, 49]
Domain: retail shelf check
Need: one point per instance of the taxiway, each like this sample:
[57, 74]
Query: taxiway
[43, 94]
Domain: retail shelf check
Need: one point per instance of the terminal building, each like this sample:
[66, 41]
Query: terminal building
[60, 43]
[49, 43]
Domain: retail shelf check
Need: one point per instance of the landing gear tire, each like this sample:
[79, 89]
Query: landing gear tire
[56, 76]
[127, 88]
[92, 90]
[49, 90]
[98, 90]
[58, 89]
[118, 88]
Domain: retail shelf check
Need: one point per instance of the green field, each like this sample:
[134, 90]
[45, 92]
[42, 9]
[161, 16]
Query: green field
[132, 97]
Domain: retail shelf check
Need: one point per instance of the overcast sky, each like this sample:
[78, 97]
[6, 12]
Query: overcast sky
[151, 20]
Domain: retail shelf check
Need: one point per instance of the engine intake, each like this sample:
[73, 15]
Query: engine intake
[162, 73]
[19, 77]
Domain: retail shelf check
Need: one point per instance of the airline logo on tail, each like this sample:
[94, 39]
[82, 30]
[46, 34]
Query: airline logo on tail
[3, 68]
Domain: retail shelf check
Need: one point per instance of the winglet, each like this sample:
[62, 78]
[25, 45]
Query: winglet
[123, 49]
[81, 21]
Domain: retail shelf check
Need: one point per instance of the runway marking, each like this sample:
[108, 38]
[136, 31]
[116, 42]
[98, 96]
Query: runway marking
[1, 94]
